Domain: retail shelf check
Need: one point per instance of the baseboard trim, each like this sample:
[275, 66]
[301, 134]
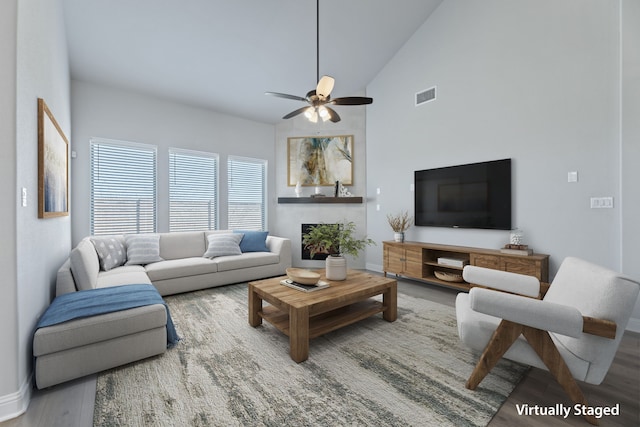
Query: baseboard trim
[15, 404]
[374, 267]
[633, 325]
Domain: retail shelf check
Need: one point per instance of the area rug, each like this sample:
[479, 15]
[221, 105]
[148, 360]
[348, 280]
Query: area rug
[374, 373]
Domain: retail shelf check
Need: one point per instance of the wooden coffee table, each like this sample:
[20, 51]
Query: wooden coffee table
[305, 315]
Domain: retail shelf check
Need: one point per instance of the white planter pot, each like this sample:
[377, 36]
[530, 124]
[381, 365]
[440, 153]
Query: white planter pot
[336, 268]
[398, 237]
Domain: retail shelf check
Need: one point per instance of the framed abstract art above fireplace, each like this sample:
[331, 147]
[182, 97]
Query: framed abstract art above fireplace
[320, 161]
[53, 165]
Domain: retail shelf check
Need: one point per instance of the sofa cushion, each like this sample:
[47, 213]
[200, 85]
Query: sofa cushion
[223, 245]
[85, 265]
[251, 259]
[111, 251]
[142, 248]
[125, 275]
[80, 332]
[175, 268]
[186, 244]
[253, 241]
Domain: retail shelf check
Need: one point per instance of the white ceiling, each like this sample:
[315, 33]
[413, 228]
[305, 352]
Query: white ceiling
[224, 54]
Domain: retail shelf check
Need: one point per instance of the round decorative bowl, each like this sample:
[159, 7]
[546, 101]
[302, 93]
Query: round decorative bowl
[303, 276]
[448, 277]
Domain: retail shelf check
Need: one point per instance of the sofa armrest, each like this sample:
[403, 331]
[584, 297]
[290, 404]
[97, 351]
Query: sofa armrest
[64, 279]
[276, 244]
[280, 246]
[502, 280]
[539, 314]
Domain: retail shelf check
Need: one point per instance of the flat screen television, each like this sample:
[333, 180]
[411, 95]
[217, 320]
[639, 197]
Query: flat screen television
[476, 195]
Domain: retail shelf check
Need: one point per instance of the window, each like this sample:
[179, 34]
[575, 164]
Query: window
[193, 190]
[247, 188]
[123, 187]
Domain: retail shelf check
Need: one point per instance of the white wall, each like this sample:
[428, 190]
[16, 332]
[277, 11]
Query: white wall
[535, 81]
[630, 143]
[9, 383]
[290, 217]
[105, 112]
[41, 71]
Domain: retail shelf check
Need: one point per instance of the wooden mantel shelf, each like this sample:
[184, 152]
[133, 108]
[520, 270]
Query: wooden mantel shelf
[319, 199]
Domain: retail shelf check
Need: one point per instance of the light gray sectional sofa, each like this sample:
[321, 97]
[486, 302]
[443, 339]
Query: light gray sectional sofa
[174, 263]
[182, 267]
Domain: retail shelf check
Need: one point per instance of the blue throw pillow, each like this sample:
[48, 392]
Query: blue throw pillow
[253, 241]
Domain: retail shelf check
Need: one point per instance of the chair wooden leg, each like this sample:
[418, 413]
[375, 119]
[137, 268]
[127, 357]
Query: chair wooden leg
[544, 346]
[505, 335]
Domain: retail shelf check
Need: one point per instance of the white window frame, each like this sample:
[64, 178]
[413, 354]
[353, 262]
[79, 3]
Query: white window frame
[198, 191]
[115, 185]
[233, 223]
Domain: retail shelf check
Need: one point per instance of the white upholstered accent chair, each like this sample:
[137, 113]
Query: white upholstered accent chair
[573, 332]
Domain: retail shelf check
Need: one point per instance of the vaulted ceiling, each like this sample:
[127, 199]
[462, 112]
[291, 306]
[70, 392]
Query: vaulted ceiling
[224, 54]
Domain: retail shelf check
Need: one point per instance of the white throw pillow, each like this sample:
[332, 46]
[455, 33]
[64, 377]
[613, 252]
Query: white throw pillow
[142, 248]
[223, 244]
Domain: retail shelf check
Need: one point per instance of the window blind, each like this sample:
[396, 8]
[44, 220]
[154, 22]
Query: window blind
[246, 190]
[193, 190]
[123, 187]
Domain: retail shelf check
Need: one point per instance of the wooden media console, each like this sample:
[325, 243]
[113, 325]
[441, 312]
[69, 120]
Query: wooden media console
[418, 260]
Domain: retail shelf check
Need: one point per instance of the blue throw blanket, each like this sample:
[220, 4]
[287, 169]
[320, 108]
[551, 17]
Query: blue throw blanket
[76, 305]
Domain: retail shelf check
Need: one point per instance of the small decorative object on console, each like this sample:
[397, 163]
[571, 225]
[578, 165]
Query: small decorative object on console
[448, 277]
[453, 262]
[399, 224]
[516, 250]
[516, 244]
[516, 237]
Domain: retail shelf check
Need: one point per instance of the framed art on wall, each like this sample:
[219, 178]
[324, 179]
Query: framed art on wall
[316, 161]
[53, 165]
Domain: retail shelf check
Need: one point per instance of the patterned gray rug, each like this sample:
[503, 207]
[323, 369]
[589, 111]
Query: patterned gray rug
[373, 373]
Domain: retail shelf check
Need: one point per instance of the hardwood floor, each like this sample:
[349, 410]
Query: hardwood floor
[71, 404]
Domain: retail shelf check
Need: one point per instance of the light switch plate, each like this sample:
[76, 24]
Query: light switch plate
[601, 202]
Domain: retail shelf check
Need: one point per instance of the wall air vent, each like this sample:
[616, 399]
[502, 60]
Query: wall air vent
[425, 96]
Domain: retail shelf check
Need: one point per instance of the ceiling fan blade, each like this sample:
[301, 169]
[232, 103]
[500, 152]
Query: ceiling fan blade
[352, 100]
[333, 116]
[325, 86]
[296, 112]
[284, 95]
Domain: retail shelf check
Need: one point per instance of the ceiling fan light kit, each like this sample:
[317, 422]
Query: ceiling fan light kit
[320, 97]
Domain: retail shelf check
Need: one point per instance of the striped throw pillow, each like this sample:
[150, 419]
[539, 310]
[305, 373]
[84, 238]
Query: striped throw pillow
[142, 248]
[223, 244]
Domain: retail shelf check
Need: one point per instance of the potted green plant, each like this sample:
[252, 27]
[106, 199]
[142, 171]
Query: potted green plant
[335, 240]
[399, 224]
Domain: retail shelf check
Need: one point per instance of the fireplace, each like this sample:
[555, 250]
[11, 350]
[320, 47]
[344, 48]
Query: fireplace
[305, 252]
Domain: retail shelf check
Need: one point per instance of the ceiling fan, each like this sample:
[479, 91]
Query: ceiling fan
[319, 98]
